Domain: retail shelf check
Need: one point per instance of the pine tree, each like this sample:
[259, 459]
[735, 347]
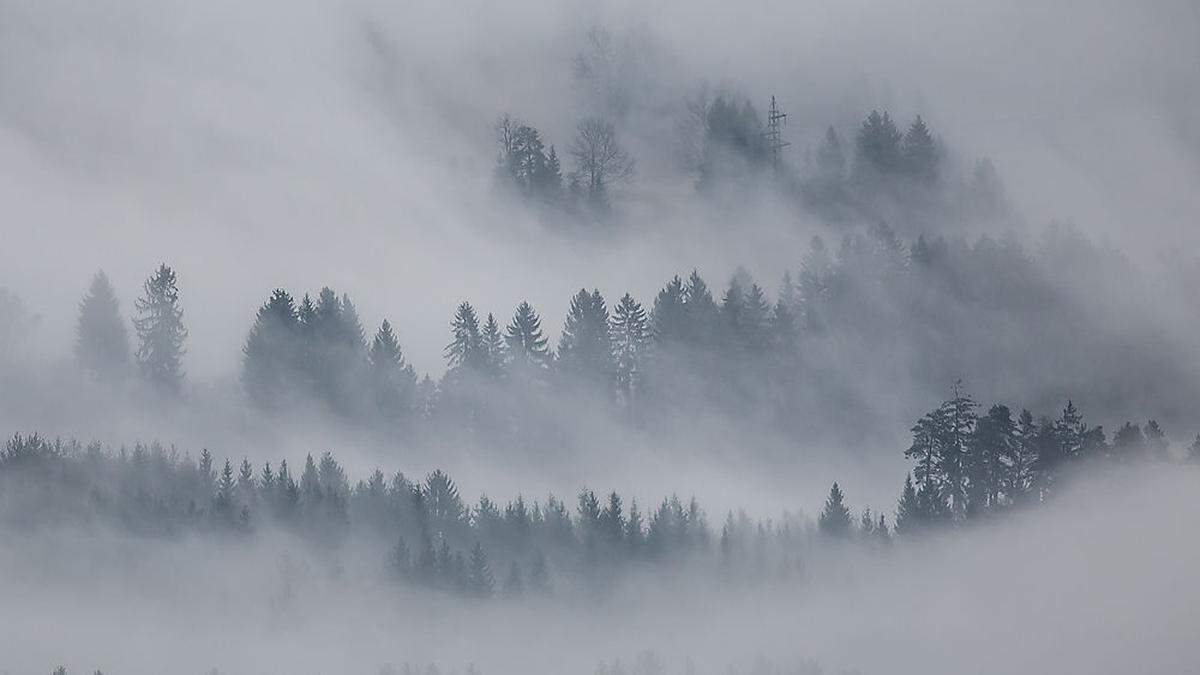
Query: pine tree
[101, 340]
[466, 348]
[1019, 465]
[585, 349]
[878, 150]
[495, 356]
[223, 501]
[668, 318]
[992, 446]
[479, 574]
[835, 517]
[958, 425]
[920, 152]
[161, 332]
[1193, 455]
[271, 355]
[394, 381]
[526, 344]
[630, 331]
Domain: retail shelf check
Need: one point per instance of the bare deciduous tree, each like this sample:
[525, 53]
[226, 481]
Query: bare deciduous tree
[600, 161]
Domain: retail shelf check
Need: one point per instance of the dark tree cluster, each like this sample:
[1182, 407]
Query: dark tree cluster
[968, 463]
[316, 350]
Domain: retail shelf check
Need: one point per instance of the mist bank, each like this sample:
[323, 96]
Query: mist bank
[272, 602]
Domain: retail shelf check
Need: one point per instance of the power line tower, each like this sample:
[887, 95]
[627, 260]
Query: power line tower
[775, 143]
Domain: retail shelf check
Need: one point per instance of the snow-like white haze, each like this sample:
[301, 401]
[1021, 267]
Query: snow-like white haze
[352, 144]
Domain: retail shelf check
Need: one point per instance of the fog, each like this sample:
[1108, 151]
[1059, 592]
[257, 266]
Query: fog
[1056, 593]
[1044, 262]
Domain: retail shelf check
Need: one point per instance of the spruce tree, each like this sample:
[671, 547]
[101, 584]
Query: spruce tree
[527, 348]
[668, 318]
[835, 517]
[465, 350]
[585, 348]
[495, 355]
[479, 574]
[630, 332]
[878, 150]
[991, 448]
[393, 381]
[271, 355]
[920, 152]
[101, 339]
[161, 332]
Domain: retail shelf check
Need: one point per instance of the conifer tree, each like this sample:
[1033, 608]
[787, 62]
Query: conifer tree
[479, 574]
[668, 318]
[835, 517]
[992, 444]
[630, 331]
[161, 332]
[394, 381]
[271, 355]
[526, 344]
[1018, 466]
[878, 150]
[101, 340]
[920, 153]
[466, 350]
[585, 349]
[1193, 455]
[495, 355]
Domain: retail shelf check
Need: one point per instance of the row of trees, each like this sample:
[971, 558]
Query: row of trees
[966, 466]
[799, 359]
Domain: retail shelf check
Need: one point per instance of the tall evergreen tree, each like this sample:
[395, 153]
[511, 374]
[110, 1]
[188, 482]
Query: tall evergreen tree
[835, 517]
[526, 344]
[878, 148]
[630, 331]
[271, 355]
[479, 574]
[495, 354]
[466, 349]
[920, 152]
[161, 332]
[394, 381]
[585, 348]
[101, 340]
[908, 510]
[991, 447]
